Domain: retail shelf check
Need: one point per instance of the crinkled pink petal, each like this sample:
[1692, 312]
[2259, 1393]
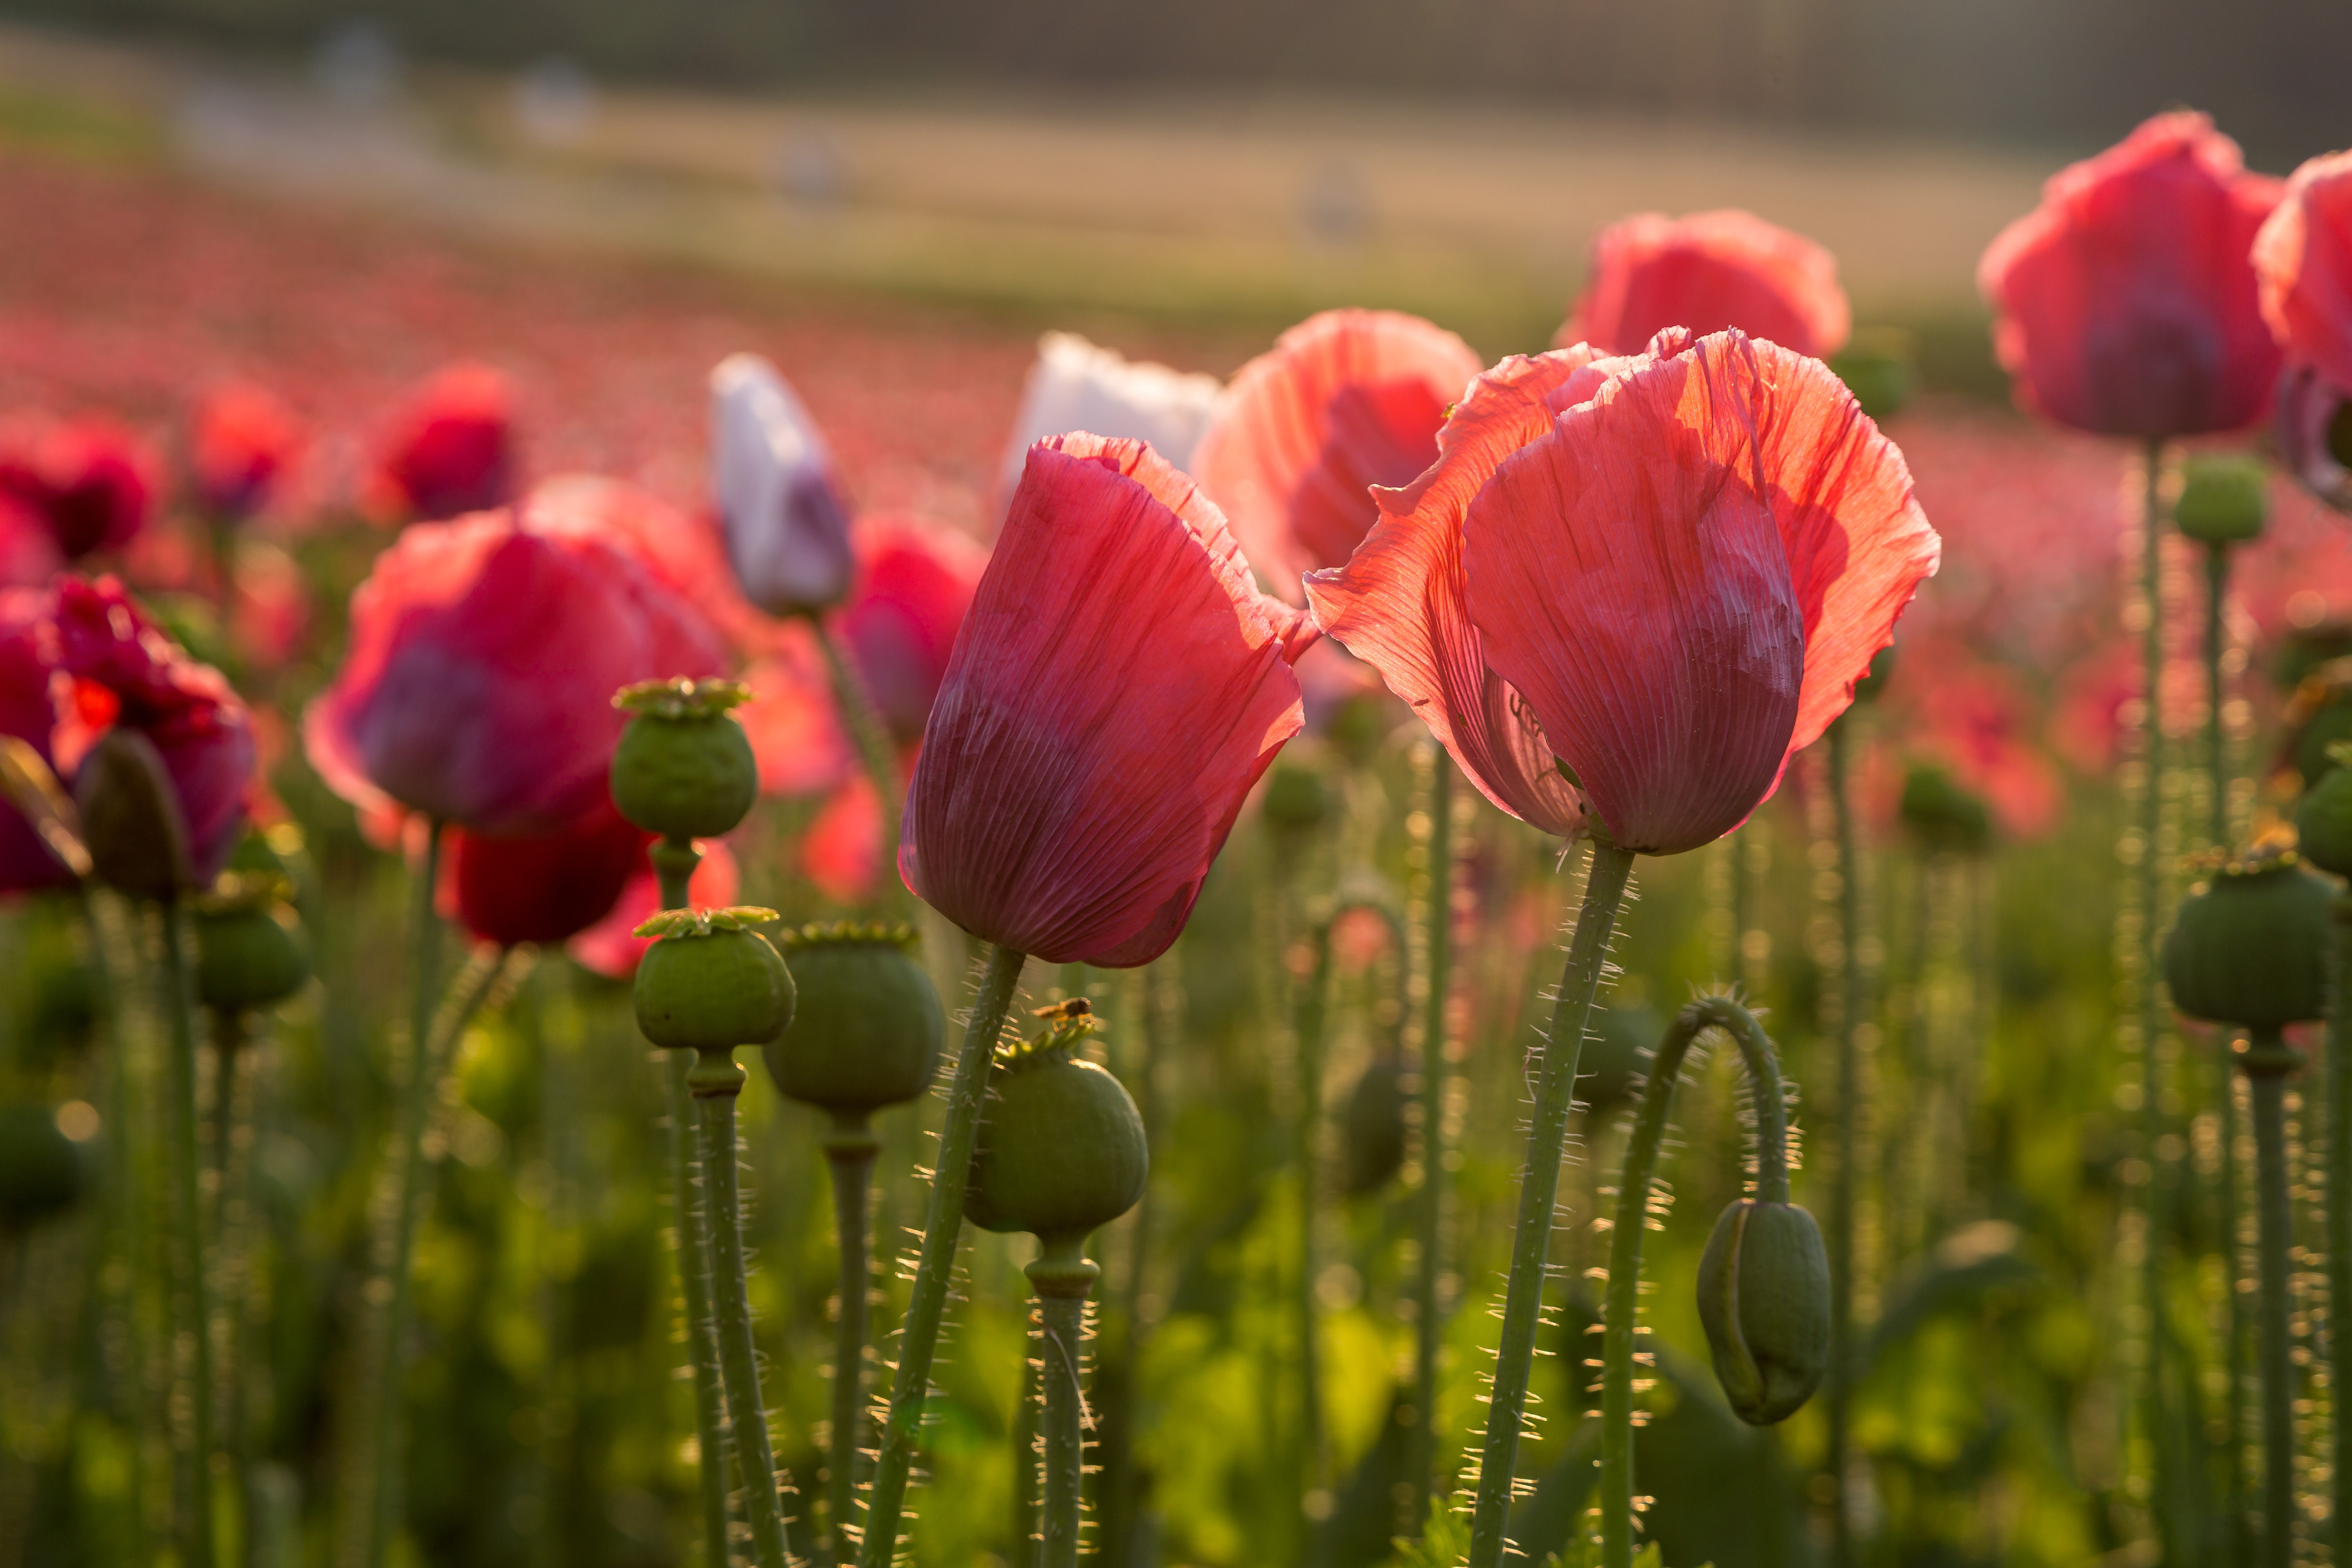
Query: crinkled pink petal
[1706, 272]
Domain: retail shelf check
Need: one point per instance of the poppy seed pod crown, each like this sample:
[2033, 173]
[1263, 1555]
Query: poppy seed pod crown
[684, 767]
[2250, 946]
[1061, 1150]
[710, 983]
[867, 1030]
[1764, 1299]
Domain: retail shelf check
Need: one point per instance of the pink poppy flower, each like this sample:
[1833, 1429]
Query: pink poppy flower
[543, 887]
[89, 481]
[1706, 272]
[245, 440]
[1119, 686]
[2127, 303]
[449, 449]
[2303, 258]
[1344, 401]
[915, 583]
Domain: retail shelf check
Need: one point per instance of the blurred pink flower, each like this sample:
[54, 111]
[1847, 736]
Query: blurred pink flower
[88, 481]
[244, 440]
[611, 947]
[449, 449]
[1706, 272]
[841, 853]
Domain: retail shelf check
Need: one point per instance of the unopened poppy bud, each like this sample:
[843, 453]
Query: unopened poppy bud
[1877, 367]
[2223, 499]
[2323, 821]
[684, 767]
[1943, 814]
[711, 983]
[866, 1032]
[130, 819]
[1296, 799]
[1764, 1299]
[41, 1170]
[250, 953]
[1061, 1150]
[1374, 1126]
[2250, 946]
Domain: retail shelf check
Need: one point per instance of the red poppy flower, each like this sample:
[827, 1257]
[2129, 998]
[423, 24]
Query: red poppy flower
[612, 948]
[1119, 686]
[449, 449]
[28, 659]
[245, 440]
[89, 481]
[2126, 300]
[1675, 565]
[545, 887]
[125, 670]
[1706, 272]
[1343, 401]
[2303, 258]
[484, 656]
[914, 585]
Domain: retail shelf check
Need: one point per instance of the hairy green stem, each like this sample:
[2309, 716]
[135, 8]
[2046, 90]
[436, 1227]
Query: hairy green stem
[674, 860]
[2339, 1218]
[192, 1299]
[872, 741]
[849, 1150]
[2217, 834]
[232, 1168]
[1853, 1000]
[2266, 1060]
[919, 1339]
[1309, 1015]
[1062, 1277]
[1428, 1332]
[1624, 1305]
[715, 1081]
[1588, 953]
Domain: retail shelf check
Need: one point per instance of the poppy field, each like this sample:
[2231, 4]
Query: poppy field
[659, 919]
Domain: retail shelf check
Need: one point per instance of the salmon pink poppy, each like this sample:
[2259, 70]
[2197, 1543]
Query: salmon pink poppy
[2126, 300]
[2303, 258]
[88, 481]
[449, 449]
[1708, 271]
[1632, 588]
[245, 440]
[1119, 686]
[778, 493]
[612, 948]
[1344, 401]
[484, 655]
[543, 887]
[914, 585]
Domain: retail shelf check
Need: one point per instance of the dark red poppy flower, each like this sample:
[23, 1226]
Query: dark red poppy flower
[1677, 566]
[543, 887]
[89, 481]
[1343, 401]
[28, 662]
[484, 655]
[611, 947]
[1119, 686]
[915, 581]
[1706, 272]
[245, 440]
[449, 449]
[2126, 300]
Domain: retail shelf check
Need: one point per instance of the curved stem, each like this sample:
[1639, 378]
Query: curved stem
[1588, 951]
[1062, 1278]
[918, 1340]
[1624, 1306]
[2266, 1060]
[1428, 1330]
[2340, 1214]
[674, 860]
[1853, 1003]
[715, 1081]
[872, 741]
[850, 1151]
[191, 1295]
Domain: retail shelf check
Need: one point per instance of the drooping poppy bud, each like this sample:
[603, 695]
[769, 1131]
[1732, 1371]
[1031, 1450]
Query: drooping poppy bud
[1943, 815]
[1061, 1150]
[709, 982]
[89, 481]
[1076, 385]
[2126, 301]
[684, 767]
[2250, 947]
[867, 1030]
[779, 496]
[1372, 1125]
[41, 1169]
[2314, 433]
[544, 888]
[1764, 1301]
[245, 440]
[2224, 500]
[1344, 401]
[450, 450]
[1705, 273]
[2323, 818]
[130, 820]
[1117, 687]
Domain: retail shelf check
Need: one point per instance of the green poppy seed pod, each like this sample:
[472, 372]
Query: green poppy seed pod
[1296, 799]
[249, 954]
[1373, 1126]
[1061, 1150]
[1877, 367]
[41, 1171]
[131, 817]
[2250, 946]
[1942, 814]
[2323, 821]
[1764, 1299]
[684, 767]
[867, 1030]
[2223, 499]
[709, 982]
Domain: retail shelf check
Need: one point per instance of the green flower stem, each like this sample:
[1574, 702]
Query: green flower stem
[2217, 735]
[2234, 1442]
[1624, 1305]
[919, 1339]
[872, 739]
[715, 1081]
[1309, 1013]
[1062, 1278]
[2339, 1214]
[192, 1316]
[1588, 951]
[849, 1150]
[2266, 1060]
[1853, 1000]
[232, 1092]
[674, 862]
[1428, 1330]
